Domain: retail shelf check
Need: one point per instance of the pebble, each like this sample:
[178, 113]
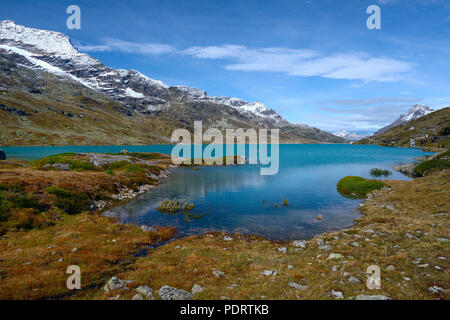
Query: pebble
[196, 289]
[355, 244]
[436, 290]
[145, 291]
[390, 267]
[374, 297]
[282, 250]
[227, 238]
[297, 286]
[335, 256]
[138, 297]
[299, 243]
[218, 273]
[269, 272]
[337, 294]
[171, 293]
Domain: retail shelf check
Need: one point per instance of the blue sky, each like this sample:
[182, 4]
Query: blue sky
[314, 62]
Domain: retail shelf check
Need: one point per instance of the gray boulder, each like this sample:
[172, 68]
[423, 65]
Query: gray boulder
[171, 293]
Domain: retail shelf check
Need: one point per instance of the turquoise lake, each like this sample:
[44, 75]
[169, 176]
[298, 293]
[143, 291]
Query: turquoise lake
[239, 199]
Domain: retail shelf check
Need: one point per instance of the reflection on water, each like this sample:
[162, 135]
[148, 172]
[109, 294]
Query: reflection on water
[239, 199]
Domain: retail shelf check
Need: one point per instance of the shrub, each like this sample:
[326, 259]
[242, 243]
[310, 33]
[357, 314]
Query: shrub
[169, 206]
[379, 172]
[64, 158]
[357, 187]
[431, 165]
[126, 166]
[69, 201]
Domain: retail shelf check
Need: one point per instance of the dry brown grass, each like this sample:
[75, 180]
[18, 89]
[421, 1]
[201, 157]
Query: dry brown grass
[386, 237]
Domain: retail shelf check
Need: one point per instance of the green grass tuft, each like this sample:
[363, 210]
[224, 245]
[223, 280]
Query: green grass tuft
[357, 187]
[426, 167]
[379, 172]
[69, 201]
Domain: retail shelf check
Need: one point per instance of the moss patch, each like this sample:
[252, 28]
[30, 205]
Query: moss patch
[357, 187]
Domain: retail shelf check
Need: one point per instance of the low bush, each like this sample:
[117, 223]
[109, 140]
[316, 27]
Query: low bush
[69, 201]
[357, 187]
[64, 158]
[379, 172]
[431, 165]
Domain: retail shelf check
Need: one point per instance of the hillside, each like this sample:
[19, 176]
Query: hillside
[52, 94]
[431, 130]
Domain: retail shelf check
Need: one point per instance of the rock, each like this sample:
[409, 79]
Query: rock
[148, 229]
[325, 247]
[319, 217]
[115, 297]
[269, 272]
[374, 297]
[297, 286]
[290, 267]
[355, 244]
[436, 290]
[335, 256]
[196, 289]
[113, 284]
[320, 242]
[443, 240]
[337, 294]
[225, 298]
[354, 279]
[299, 243]
[74, 249]
[146, 291]
[2, 155]
[234, 285]
[334, 268]
[171, 293]
[407, 169]
[137, 297]
[390, 267]
[282, 250]
[61, 166]
[227, 238]
[218, 273]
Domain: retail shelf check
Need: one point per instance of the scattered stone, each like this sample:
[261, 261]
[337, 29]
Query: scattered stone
[60, 260]
[436, 290]
[269, 272]
[115, 297]
[218, 273]
[325, 247]
[113, 284]
[227, 238]
[353, 279]
[171, 293]
[390, 267]
[335, 268]
[406, 278]
[320, 242]
[290, 267]
[196, 289]
[234, 285]
[374, 297]
[225, 298]
[53, 252]
[297, 286]
[337, 294]
[138, 297]
[335, 256]
[355, 244]
[146, 291]
[319, 217]
[282, 250]
[443, 239]
[299, 244]
[148, 229]
[410, 236]
[74, 249]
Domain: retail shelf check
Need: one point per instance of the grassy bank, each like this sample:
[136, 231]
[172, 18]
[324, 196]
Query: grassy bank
[403, 230]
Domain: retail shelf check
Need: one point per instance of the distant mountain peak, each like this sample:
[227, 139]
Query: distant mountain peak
[349, 136]
[415, 112]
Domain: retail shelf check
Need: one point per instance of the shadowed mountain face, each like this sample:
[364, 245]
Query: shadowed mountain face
[50, 93]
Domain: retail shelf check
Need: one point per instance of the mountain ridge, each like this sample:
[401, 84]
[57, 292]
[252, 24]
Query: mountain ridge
[52, 52]
[415, 112]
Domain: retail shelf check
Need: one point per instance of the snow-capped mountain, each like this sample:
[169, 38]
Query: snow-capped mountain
[415, 112]
[54, 53]
[349, 136]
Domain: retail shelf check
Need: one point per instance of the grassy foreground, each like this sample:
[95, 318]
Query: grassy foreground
[403, 230]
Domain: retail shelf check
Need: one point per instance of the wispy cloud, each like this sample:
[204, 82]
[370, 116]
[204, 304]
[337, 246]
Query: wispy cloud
[111, 44]
[369, 101]
[292, 62]
[305, 63]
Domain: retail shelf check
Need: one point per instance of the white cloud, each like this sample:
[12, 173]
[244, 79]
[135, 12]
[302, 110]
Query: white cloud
[305, 63]
[111, 44]
[292, 62]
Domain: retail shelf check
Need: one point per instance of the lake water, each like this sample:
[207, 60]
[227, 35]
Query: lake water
[239, 199]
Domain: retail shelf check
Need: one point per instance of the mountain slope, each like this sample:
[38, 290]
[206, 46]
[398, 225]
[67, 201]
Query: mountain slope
[40, 69]
[431, 130]
[415, 112]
